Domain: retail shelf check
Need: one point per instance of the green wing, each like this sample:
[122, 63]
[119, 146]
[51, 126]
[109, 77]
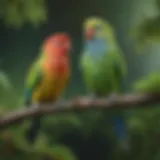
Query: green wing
[32, 81]
[120, 65]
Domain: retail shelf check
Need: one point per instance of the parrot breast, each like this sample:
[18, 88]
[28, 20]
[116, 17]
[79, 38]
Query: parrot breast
[53, 82]
[50, 88]
[99, 68]
[96, 48]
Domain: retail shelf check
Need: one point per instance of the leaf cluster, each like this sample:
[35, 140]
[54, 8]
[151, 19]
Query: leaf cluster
[16, 13]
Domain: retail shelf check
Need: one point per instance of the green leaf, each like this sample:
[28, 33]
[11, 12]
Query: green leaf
[18, 12]
[150, 83]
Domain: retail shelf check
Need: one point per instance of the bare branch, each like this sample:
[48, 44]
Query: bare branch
[121, 102]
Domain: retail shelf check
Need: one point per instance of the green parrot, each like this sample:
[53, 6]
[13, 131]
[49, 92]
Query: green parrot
[103, 66]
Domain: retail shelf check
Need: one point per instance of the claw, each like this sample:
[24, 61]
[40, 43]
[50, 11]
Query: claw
[91, 96]
[112, 97]
[36, 105]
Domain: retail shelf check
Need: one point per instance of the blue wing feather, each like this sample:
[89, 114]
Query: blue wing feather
[27, 95]
[120, 127]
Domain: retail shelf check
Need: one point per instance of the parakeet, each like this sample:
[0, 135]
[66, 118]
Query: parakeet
[102, 64]
[48, 76]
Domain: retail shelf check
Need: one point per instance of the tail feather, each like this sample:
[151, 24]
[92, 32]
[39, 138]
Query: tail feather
[32, 132]
[120, 127]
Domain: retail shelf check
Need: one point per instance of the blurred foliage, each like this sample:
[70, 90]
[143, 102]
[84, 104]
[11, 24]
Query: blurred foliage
[148, 30]
[150, 83]
[5, 82]
[144, 123]
[11, 149]
[16, 13]
[83, 136]
[88, 135]
[7, 90]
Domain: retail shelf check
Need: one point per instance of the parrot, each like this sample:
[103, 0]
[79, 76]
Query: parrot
[47, 77]
[103, 67]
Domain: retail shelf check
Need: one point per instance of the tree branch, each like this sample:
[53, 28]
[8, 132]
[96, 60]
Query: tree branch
[120, 102]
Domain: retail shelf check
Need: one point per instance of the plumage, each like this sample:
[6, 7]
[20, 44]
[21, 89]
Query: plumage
[102, 63]
[47, 76]
[47, 86]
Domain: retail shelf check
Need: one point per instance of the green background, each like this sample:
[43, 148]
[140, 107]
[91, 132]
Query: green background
[20, 46]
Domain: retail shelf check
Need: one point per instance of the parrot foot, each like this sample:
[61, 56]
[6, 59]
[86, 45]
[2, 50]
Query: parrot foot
[59, 102]
[112, 97]
[36, 105]
[91, 97]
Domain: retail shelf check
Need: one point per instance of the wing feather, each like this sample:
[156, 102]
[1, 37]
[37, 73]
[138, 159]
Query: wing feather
[33, 81]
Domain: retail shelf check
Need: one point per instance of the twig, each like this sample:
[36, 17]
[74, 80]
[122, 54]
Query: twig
[120, 102]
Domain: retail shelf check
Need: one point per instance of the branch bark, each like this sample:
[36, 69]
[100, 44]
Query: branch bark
[82, 103]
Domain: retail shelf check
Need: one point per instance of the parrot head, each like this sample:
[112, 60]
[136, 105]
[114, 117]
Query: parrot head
[58, 44]
[56, 49]
[95, 27]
